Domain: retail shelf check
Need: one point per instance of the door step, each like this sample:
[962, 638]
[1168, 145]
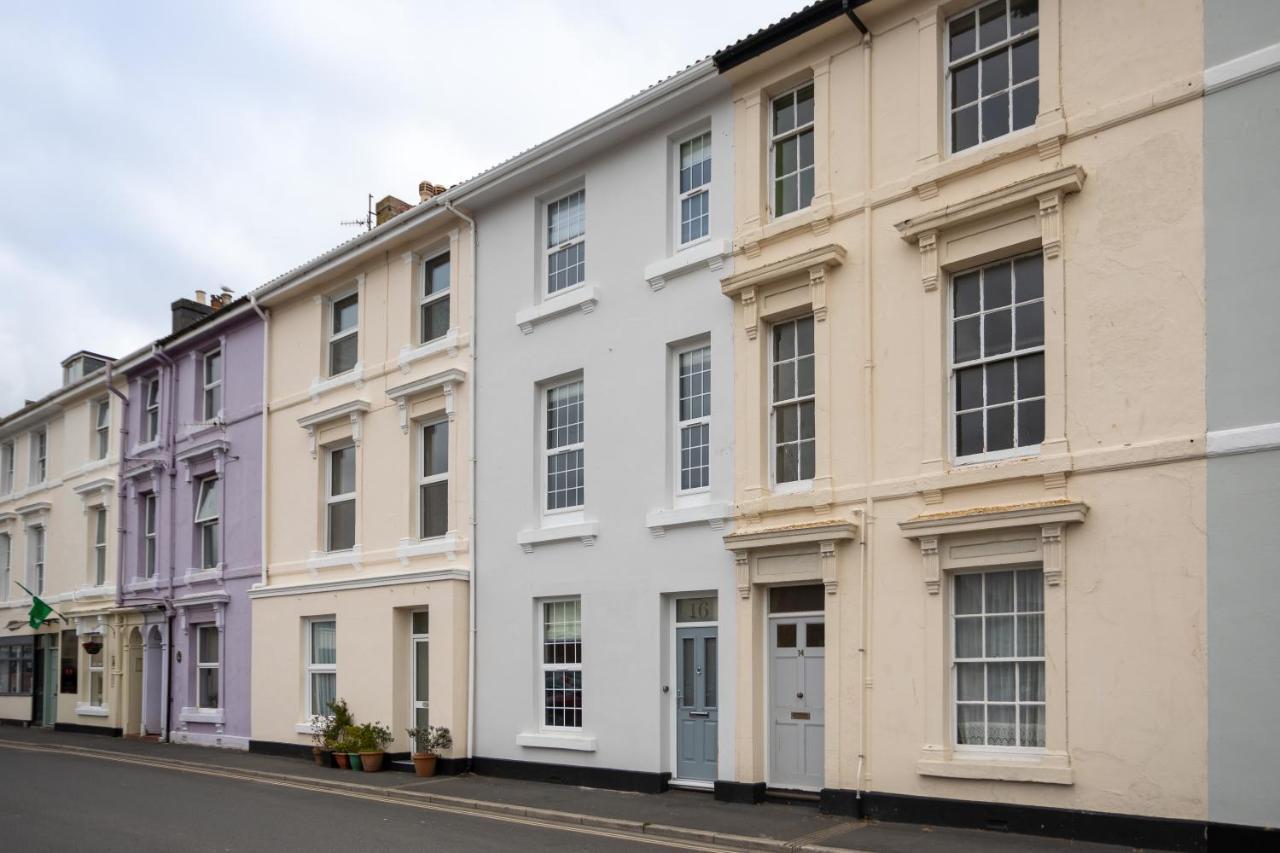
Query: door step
[691, 784]
[783, 795]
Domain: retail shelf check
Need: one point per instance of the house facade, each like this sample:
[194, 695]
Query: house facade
[58, 520]
[365, 595]
[191, 521]
[605, 448]
[970, 564]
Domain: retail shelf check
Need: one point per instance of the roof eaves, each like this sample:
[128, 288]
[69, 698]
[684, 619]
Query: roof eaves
[796, 24]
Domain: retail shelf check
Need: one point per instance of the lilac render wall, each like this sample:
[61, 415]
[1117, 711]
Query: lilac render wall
[241, 339]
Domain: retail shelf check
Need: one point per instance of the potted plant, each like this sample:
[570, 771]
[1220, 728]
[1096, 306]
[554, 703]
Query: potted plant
[373, 738]
[428, 742]
[320, 748]
[341, 752]
[351, 739]
[339, 720]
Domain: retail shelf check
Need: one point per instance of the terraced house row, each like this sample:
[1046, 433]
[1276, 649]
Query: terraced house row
[883, 410]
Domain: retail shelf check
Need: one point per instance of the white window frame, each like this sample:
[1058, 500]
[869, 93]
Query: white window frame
[36, 557]
[212, 386]
[202, 664]
[544, 667]
[949, 65]
[208, 522]
[150, 519]
[549, 250]
[151, 408]
[425, 479]
[39, 439]
[331, 499]
[332, 337]
[704, 188]
[99, 545]
[6, 564]
[777, 138]
[427, 298]
[803, 484]
[972, 750]
[703, 420]
[101, 672]
[312, 668]
[954, 367]
[102, 427]
[6, 467]
[566, 514]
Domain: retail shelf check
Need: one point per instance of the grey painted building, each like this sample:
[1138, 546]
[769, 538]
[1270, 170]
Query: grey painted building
[1242, 287]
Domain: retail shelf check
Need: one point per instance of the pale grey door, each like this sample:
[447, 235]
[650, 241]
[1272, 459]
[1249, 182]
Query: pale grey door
[796, 687]
[696, 703]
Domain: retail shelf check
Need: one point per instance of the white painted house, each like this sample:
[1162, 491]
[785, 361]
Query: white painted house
[603, 405]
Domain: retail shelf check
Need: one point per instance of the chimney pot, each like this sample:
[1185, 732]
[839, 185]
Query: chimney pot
[428, 190]
[200, 297]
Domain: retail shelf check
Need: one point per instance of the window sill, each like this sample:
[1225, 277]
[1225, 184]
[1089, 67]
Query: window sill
[583, 297]
[143, 447]
[449, 545]
[354, 376]
[714, 514]
[711, 253]
[449, 343]
[304, 729]
[330, 559]
[548, 740]
[87, 592]
[586, 531]
[85, 710]
[996, 456]
[141, 585]
[1048, 769]
[216, 716]
[200, 575]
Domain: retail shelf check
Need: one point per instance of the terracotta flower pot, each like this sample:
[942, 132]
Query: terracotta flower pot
[424, 763]
[371, 761]
[353, 758]
[324, 757]
[341, 758]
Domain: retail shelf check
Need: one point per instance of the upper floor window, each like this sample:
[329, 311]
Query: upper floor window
[694, 418]
[993, 71]
[997, 356]
[792, 397]
[102, 427]
[695, 188]
[6, 468]
[99, 546]
[207, 658]
[566, 434]
[6, 554]
[208, 508]
[791, 149]
[149, 535]
[212, 384]
[35, 548]
[340, 499]
[999, 658]
[151, 406]
[434, 310]
[344, 339]
[433, 483]
[566, 242]
[39, 455]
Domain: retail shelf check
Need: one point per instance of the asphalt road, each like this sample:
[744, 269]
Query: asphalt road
[64, 803]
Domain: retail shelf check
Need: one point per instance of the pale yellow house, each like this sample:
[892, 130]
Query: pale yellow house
[970, 512]
[58, 538]
[367, 506]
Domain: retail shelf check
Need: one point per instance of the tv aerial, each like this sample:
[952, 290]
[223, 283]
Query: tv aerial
[367, 222]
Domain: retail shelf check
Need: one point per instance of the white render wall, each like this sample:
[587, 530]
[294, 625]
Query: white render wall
[622, 349]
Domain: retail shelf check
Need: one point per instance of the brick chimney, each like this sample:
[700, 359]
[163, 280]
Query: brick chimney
[390, 207]
[188, 311]
[428, 190]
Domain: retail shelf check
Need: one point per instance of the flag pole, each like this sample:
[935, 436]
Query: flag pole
[46, 604]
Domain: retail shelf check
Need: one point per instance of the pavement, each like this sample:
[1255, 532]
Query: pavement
[90, 789]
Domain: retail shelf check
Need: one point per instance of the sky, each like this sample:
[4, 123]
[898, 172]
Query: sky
[152, 149]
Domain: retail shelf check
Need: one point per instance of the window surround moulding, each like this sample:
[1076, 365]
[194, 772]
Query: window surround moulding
[445, 381]
[712, 513]
[814, 262]
[709, 253]
[825, 535]
[217, 599]
[355, 410]
[583, 297]
[30, 512]
[215, 448]
[95, 493]
[586, 531]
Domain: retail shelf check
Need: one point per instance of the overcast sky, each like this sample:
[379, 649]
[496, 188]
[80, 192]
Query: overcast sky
[148, 150]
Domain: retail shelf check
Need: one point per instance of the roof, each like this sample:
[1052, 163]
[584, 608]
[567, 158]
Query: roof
[85, 352]
[796, 24]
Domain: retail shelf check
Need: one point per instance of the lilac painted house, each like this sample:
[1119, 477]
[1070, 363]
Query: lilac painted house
[191, 524]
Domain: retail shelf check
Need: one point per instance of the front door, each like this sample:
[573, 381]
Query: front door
[796, 651]
[421, 646]
[45, 688]
[696, 703]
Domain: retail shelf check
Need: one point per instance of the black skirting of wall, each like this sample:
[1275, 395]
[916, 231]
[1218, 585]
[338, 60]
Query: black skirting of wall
[739, 792]
[271, 747]
[403, 761]
[5, 721]
[570, 774]
[77, 728]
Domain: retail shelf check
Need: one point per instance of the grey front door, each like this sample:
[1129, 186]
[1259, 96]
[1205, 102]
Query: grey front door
[797, 652]
[696, 703]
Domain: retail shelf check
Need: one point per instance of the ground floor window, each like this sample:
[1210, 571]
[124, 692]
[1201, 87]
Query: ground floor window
[322, 665]
[562, 664]
[96, 676]
[16, 665]
[207, 665]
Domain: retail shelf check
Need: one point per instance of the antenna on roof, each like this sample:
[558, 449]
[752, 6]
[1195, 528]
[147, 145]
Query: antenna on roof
[367, 222]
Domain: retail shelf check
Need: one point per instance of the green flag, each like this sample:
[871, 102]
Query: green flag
[39, 610]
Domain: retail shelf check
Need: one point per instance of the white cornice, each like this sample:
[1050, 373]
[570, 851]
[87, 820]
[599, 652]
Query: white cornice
[1068, 179]
[1242, 68]
[1250, 439]
[429, 576]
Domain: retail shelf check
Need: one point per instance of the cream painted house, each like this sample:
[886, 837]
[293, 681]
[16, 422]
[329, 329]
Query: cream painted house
[970, 476]
[58, 458]
[367, 523]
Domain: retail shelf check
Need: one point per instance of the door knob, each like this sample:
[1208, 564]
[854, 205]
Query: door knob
[799, 695]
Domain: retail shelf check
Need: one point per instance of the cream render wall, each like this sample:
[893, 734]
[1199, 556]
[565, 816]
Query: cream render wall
[1125, 365]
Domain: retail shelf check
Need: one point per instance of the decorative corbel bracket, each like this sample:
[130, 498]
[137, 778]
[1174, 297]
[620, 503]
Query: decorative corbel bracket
[355, 410]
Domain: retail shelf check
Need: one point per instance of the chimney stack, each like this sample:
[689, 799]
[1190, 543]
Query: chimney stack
[389, 208]
[428, 190]
[189, 311]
